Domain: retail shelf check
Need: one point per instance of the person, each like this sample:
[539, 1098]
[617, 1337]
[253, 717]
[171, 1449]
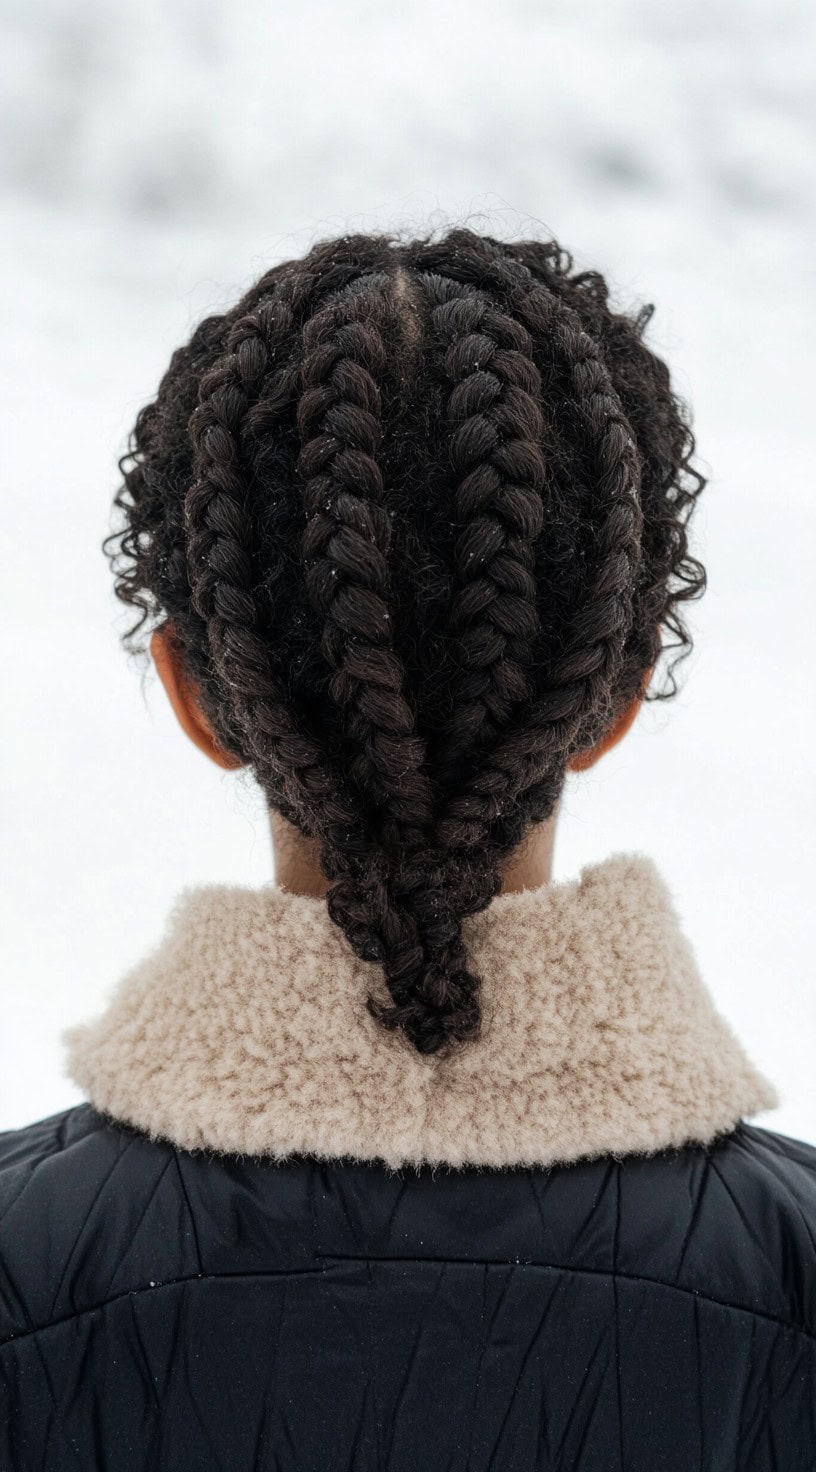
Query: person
[414, 1158]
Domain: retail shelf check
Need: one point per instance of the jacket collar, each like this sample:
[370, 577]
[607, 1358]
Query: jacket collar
[246, 1032]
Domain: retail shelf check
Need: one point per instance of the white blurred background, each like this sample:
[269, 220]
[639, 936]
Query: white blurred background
[158, 154]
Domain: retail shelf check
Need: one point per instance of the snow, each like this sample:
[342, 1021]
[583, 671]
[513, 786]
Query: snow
[160, 157]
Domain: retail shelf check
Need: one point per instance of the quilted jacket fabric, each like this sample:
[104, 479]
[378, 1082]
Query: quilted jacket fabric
[187, 1311]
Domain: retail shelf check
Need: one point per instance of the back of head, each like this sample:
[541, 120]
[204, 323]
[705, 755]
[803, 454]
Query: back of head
[415, 514]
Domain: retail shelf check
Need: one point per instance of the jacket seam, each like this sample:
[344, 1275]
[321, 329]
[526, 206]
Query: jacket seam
[193, 1226]
[335, 1257]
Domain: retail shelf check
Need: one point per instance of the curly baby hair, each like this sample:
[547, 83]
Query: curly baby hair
[415, 515]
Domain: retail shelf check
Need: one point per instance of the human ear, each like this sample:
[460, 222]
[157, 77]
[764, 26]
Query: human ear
[183, 696]
[585, 759]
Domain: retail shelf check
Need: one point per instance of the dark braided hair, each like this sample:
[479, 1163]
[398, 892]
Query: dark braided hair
[415, 517]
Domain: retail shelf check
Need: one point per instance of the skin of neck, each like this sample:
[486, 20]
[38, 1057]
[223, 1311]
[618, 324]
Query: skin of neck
[296, 858]
[297, 866]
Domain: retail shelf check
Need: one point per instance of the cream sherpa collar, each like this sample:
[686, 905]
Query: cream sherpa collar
[246, 1031]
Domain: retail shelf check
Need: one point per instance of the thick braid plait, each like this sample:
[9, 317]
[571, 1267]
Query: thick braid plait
[529, 759]
[495, 431]
[345, 550]
[397, 905]
[289, 763]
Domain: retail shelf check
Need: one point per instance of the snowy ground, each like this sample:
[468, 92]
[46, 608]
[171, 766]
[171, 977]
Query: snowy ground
[161, 155]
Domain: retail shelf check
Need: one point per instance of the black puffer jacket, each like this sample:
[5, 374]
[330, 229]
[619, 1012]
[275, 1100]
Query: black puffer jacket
[162, 1310]
[192, 1276]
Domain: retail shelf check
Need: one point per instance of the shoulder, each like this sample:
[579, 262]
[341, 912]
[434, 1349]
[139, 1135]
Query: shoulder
[82, 1202]
[91, 1209]
[761, 1160]
[734, 1221]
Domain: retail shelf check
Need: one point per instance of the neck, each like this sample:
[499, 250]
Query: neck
[297, 863]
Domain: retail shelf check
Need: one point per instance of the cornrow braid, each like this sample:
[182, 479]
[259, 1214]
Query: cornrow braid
[346, 545]
[241, 400]
[494, 414]
[415, 514]
[578, 700]
[392, 907]
[222, 580]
